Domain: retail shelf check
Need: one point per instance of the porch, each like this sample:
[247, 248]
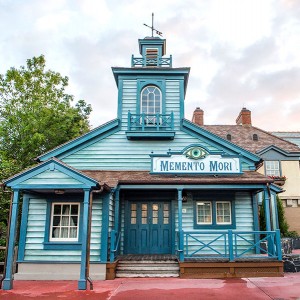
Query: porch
[215, 254]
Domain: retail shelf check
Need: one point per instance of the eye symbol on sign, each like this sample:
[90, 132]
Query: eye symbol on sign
[195, 153]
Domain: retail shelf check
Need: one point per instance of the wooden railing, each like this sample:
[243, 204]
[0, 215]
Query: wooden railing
[115, 238]
[144, 122]
[230, 244]
[151, 62]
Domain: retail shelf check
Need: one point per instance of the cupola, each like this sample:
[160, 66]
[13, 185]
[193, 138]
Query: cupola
[152, 50]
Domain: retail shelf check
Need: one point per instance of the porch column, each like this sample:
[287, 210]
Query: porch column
[180, 240]
[84, 240]
[115, 232]
[105, 227]
[256, 220]
[8, 280]
[267, 210]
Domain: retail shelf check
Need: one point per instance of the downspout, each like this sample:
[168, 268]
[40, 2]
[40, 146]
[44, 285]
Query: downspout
[88, 252]
[7, 239]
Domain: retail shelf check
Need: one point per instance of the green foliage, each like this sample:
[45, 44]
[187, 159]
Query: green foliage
[283, 225]
[36, 115]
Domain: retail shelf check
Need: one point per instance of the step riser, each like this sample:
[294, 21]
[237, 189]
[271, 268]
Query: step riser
[147, 269]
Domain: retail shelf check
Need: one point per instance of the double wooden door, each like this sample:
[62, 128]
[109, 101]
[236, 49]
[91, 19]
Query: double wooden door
[148, 227]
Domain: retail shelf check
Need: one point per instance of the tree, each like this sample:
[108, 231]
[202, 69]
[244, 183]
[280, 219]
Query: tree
[283, 225]
[36, 115]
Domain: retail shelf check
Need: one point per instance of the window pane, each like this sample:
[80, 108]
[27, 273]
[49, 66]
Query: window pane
[151, 100]
[272, 168]
[57, 210]
[65, 221]
[204, 213]
[74, 209]
[56, 221]
[223, 212]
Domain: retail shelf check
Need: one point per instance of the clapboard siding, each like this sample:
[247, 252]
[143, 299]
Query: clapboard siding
[244, 222]
[118, 153]
[35, 234]
[51, 177]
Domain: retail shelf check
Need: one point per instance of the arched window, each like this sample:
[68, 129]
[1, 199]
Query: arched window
[151, 100]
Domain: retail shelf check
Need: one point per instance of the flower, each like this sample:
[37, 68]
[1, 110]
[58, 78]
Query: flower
[278, 178]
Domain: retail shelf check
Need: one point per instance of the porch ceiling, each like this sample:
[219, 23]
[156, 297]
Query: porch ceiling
[113, 178]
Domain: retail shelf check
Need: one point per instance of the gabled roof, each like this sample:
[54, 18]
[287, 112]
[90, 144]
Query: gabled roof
[249, 156]
[82, 141]
[52, 173]
[243, 137]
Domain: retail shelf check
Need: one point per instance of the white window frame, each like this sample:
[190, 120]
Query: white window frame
[60, 239]
[146, 111]
[230, 213]
[201, 203]
[272, 168]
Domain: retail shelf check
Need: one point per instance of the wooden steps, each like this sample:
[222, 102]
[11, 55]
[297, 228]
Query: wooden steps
[147, 266]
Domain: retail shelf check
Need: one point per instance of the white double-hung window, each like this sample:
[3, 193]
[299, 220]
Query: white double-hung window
[64, 221]
[272, 168]
[214, 213]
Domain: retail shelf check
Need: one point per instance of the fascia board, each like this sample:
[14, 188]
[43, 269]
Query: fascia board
[220, 141]
[79, 141]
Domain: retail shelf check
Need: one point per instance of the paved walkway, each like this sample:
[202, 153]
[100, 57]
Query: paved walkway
[279, 288]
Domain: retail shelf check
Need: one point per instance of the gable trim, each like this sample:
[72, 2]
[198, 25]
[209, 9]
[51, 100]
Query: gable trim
[51, 164]
[73, 145]
[279, 150]
[246, 155]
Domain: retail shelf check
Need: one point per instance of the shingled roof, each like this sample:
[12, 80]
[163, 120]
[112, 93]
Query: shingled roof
[113, 178]
[243, 137]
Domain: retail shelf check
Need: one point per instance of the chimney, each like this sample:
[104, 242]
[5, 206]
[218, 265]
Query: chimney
[244, 117]
[198, 116]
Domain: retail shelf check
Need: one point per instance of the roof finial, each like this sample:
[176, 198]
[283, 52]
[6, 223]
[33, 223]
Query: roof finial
[152, 28]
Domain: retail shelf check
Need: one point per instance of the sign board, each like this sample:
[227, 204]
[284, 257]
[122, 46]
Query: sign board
[196, 161]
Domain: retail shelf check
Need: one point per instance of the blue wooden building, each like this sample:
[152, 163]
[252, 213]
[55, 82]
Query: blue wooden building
[148, 183]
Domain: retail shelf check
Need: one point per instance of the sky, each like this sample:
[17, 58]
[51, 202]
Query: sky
[242, 53]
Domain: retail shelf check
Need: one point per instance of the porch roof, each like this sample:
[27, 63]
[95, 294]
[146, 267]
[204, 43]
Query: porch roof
[113, 178]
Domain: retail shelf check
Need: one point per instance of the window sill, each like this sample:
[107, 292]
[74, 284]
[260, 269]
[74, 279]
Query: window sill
[214, 226]
[62, 246]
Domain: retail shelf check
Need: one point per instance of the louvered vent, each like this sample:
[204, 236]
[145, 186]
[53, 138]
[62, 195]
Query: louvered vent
[151, 56]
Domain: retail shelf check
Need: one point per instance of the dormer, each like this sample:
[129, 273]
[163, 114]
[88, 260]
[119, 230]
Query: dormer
[152, 50]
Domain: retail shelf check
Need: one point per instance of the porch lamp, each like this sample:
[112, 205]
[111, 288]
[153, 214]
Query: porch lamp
[187, 196]
[59, 192]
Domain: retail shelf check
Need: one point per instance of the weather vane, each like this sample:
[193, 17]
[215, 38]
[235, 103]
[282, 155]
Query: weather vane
[152, 28]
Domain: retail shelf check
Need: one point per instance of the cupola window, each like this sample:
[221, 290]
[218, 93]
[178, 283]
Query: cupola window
[151, 100]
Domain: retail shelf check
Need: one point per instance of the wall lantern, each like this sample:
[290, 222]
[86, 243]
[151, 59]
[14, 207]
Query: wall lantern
[187, 196]
[59, 192]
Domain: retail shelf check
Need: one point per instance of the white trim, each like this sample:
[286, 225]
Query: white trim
[230, 214]
[58, 239]
[200, 203]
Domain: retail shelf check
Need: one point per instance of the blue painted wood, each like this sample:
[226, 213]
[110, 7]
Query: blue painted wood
[180, 242]
[8, 280]
[267, 210]
[83, 264]
[105, 228]
[51, 173]
[23, 227]
[151, 234]
[78, 142]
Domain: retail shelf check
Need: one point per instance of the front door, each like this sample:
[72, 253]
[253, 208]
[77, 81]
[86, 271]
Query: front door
[148, 228]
